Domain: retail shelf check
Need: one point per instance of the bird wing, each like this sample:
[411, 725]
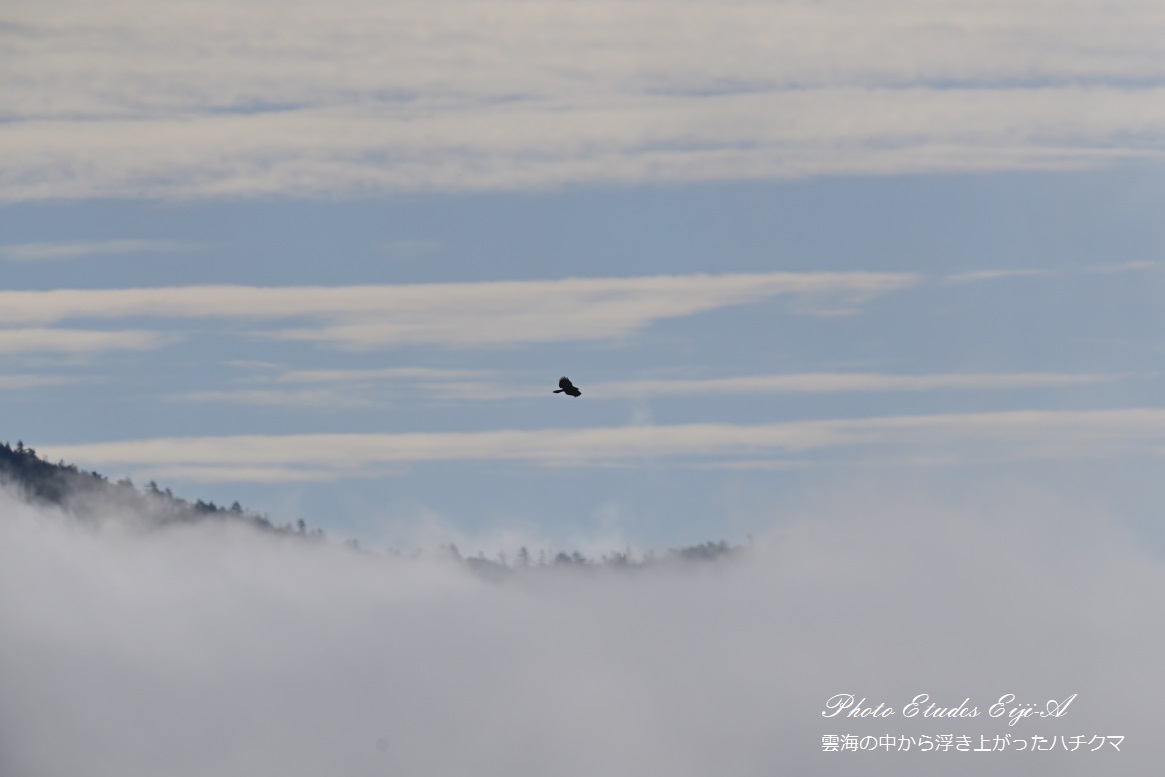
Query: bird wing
[564, 383]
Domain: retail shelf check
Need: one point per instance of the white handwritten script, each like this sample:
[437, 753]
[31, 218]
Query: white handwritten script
[922, 706]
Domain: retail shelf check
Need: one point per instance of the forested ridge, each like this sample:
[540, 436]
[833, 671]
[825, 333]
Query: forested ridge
[82, 493]
[86, 495]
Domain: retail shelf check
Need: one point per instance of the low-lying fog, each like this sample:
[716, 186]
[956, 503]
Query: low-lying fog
[218, 650]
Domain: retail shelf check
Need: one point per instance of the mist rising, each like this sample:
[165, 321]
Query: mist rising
[216, 648]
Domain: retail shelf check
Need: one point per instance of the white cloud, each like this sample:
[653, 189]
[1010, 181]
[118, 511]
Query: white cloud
[333, 399]
[246, 55]
[1110, 269]
[349, 455]
[231, 99]
[653, 139]
[456, 314]
[838, 382]
[11, 382]
[77, 341]
[35, 252]
[211, 473]
[756, 465]
[995, 275]
[1031, 272]
[344, 389]
[476, 388]
[381, 374]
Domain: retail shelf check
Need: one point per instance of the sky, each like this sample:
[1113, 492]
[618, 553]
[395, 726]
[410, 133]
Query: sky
[870, 289]
[328, 260]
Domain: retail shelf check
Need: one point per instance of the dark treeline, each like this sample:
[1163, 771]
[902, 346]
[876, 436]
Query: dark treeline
[524, 559]
[87, 495]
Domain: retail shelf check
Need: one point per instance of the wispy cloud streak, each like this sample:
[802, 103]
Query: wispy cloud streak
[357, 97]
[21, 382]
[78, 341]
[352, 454]
[795, 383]
[456, 314]
[1043, 272]
[358, 387]
[37, 252]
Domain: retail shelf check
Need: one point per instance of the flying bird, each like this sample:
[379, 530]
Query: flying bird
[566, 387]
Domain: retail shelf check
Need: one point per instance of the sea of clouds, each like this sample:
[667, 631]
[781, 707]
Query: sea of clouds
[217, 650]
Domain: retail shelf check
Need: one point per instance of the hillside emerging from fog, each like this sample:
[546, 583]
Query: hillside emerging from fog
[84, 494]
[88, 496]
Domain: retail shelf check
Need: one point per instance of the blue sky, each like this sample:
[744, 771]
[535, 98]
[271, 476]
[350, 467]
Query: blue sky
[334, 271]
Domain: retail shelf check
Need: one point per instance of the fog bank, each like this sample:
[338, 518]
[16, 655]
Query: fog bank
[214, 649]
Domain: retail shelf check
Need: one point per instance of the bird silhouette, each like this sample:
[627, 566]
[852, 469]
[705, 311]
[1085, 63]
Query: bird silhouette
[566, 387]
